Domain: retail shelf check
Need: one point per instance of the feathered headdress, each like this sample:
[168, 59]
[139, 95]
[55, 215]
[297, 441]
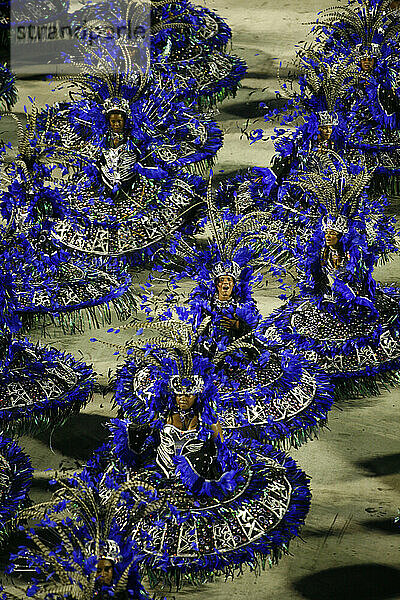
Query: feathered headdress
[337, 192]
[173, 353]
[176, 340]
[364, 25]
[322, 85]
[84, 529]
[112, 68]
[235, 243]
[113, 79]
[34, 151]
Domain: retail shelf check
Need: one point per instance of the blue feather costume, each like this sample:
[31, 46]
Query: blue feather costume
[123, 192]
[341, 319]
[367, 31]
[266, 393]
[48, 280]
[213, 511]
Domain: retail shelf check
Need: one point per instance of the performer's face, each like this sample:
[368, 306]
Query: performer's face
[331, 237]
[105, 571]
[367, 64]
[117, 122]
[185, 401]
[325, 132]
[225, 285]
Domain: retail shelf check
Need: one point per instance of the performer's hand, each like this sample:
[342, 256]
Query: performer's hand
[227, 323]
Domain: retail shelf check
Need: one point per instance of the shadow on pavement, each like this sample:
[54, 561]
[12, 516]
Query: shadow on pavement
[356, 582]
[79, 437]
[250, 109]
[382, 465]
[384, 525]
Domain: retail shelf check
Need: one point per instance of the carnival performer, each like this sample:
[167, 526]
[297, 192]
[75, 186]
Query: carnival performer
[313, 105]
[15, 480]
[293, 215]
[368, 31]
[219, 507]
[124, 190]
[315, 99]
[77, 549]
[341, 319]
[119, 162]
[162, 127]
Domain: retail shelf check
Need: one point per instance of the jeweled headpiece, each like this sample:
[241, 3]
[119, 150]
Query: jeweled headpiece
[192, 384]
[369, 51]
[109, 550]
[338, 223]
[116, 105]
[326, 118]
[235, 245]
[106, 78]
[230, 268]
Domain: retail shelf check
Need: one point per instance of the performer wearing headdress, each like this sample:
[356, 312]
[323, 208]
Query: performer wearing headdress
[292, 215]
[315, 102]
[77, 549]
[220, 507]
[15, 479]
[341, 319]
[164, 130]
[347, 97]
[120, 159]
[122, 191]
[368, 31]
